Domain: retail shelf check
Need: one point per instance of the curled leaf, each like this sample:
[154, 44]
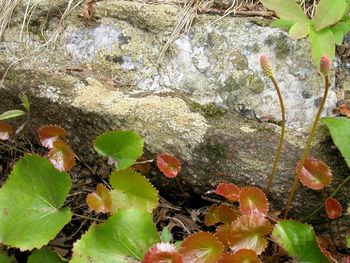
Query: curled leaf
[62, 156]
[242, 255]
[220, 214]
[326, 246]
[5, 131]
[201, 247]
[168, 164]
[228, 190]
[252, 200]
[333, 208]
[100, 201]
[162, 252]
[315, 174]
[49, 134]
[248, 232]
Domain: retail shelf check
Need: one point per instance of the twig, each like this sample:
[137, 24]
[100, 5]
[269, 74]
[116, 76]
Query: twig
[90, 218]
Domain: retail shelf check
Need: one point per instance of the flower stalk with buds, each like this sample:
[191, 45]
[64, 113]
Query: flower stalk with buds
[267, 69]
[325, 69]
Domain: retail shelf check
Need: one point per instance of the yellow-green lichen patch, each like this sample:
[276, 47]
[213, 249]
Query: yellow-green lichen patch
[255, 84]
[209, 110]
[165, 122]
[148, 17]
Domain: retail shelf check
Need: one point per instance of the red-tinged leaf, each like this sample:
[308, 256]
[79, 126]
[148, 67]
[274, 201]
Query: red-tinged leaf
[326, 253]
[344, 109]
[222, 232]
[240, 256]
[201, 247]
[163, 252]
[169, 165]
[220, 214]
[49, 134]
[252, 200]
[228, 190]
[315, 174]
[333, 208]
[142, 165]
[100, 201]
[248, 232]
[5, 131]
[326, 245]
[62, 156]
[346, 259]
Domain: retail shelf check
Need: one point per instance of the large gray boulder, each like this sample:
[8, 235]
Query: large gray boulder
[203, 101]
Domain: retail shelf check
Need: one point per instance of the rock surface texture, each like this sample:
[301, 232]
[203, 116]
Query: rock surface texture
[203, 101]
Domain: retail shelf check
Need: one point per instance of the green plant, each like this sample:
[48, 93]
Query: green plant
[34, 209]
[328, 28]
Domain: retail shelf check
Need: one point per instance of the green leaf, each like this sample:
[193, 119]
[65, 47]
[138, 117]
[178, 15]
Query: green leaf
[299, 241]
[11, 114]
[178, 244]
[31, 201]
[132, 189]
[283, 23]
[329, 12]
[286, 9]
[322, 42]
[125, 237]
[299, 30]
[25, 102]
[124, 147]
[5, 259]
[348, 241]
[339, 129]
[339, 31]
[166, 236]
[44, 255]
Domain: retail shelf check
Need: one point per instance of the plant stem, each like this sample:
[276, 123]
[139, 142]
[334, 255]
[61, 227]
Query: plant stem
[332, 195]
[307, 148]
[87, 217]
[280, 143]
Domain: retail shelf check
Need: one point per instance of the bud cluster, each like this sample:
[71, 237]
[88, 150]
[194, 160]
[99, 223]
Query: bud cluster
[325, 65]
[265, 65]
